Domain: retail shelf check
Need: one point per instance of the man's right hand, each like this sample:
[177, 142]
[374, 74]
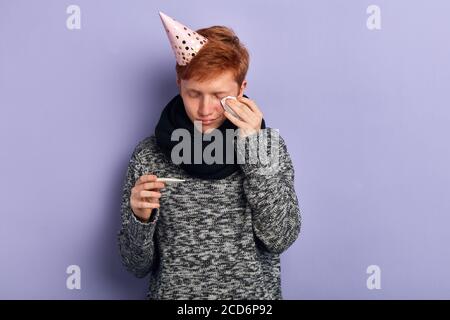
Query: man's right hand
[145, 196]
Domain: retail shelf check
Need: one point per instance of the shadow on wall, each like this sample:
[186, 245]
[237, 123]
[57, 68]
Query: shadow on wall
[158, 88]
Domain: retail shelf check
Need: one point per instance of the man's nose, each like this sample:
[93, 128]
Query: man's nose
[207, 106]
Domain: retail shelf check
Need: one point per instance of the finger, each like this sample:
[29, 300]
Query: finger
[234, 120]
[146, 194]
[151, 200]
[152, 185]
[136, 190]
[146, 205]
[139, 203]
[155, 200]
[242, 110]
[251, 104]
[146, 178]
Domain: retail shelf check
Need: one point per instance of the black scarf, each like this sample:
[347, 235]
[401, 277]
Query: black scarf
[173, 117]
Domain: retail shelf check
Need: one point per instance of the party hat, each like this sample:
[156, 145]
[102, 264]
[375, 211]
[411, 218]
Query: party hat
[185, 42]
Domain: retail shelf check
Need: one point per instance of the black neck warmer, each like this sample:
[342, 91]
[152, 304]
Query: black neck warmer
[173, 117]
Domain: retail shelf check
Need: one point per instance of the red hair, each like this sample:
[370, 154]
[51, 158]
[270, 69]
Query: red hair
[221, 53]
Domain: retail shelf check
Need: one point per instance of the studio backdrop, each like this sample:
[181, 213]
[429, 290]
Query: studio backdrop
[359, 90]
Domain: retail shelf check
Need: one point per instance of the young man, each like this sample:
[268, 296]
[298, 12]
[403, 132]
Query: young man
[219, 233]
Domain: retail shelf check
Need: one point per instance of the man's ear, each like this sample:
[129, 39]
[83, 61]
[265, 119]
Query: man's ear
[243, 86]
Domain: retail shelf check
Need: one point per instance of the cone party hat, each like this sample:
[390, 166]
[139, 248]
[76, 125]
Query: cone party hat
[185, 42]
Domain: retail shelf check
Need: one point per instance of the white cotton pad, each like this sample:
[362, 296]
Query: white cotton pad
[170, 180]
[227, 108]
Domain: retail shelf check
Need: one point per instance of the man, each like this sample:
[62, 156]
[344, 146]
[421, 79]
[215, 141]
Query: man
[219, 233]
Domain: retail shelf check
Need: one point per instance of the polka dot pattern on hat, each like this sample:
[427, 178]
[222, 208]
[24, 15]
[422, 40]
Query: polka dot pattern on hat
[185, 42]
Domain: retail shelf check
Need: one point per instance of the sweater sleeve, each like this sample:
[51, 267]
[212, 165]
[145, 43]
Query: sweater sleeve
[269, 188]
[135, 238]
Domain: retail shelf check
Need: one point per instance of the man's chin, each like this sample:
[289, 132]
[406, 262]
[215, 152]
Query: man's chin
[203, 127]
[207, 128]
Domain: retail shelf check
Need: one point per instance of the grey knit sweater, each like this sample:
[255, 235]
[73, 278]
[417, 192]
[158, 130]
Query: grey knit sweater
[212, 239]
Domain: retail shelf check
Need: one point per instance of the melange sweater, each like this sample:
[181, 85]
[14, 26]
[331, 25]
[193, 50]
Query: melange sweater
[212, 239]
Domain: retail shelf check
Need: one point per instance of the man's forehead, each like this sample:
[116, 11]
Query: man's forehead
[222, 84]
[211, 87]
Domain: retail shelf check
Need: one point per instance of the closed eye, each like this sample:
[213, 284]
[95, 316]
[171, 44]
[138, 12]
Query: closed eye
[193, 94]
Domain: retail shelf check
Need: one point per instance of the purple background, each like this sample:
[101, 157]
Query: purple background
[365, 115]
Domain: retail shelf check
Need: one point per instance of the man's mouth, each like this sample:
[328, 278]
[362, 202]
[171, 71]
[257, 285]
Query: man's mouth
[207, 121]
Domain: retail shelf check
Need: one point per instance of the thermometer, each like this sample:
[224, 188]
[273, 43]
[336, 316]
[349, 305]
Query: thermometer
[170, 180]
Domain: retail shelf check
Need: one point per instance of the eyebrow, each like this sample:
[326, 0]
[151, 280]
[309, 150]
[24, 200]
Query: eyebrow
[200, 92]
